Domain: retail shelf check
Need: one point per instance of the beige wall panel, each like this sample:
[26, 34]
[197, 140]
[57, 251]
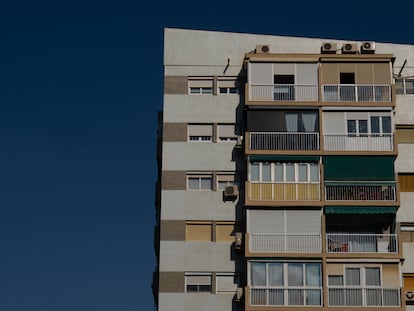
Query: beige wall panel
[175, 85]
[335, 269]
[225, 232]
[405, 212]
[174, 132]
[172, 230]
[406, 182]
[173, 180]
[171, 282]
[382, 73]
[390, 275]
[409, 282]
[346, 67]
[363, 73]
[199, 232]
[406, 236]
[405, 136]
[408, 252]
[329, 73]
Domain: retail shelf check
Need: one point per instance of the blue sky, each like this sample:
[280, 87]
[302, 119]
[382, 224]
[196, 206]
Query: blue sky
[80, 87]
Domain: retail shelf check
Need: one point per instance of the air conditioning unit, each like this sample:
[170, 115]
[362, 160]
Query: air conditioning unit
[262, 49]
[350, 48]
[231, 191]
[239, 293]
[239, 142]
[368, 47]
[409, 295]
[329, 47]
[238, 240]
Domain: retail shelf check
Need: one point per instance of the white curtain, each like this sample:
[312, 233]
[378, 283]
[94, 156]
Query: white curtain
[309, 121]
[291, 122]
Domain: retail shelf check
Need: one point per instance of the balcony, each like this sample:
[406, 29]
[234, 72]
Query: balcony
[282, 296]
[356, 93]
[284, 141]
[364, 297]
[368, 142]
[272, 191]
[357, 191]
[284, 243]
[283, 92]
[361, 243]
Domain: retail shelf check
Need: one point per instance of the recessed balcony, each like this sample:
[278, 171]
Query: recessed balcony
[283, 140]
[361, 243]
[364, 297]
[282, 296]
[356, 93]
[283, 92]
[360, 191]
[284, 243]
[274, 191]
[365, 142]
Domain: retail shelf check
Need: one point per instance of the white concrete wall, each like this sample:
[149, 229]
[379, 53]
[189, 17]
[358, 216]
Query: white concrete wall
[195, 301]
[404, 110]
[406, 210]
[408, 253]
[196, 205]
[200, 108]
[198, 156]
[196, 256]
[405, 159]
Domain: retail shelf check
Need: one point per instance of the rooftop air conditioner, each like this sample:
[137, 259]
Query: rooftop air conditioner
[239, 293]
[238, 240]
[262, 49]
[368, 47]
[231, 191]
[350, 48]
[409, 295]
[329, 47]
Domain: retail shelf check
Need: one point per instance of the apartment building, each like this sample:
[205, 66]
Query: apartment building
[286, 174]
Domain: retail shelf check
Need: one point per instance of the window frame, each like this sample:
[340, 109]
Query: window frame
[198, 287]
[195, 88]
[296, 171]
[403, 89]
[199, 177]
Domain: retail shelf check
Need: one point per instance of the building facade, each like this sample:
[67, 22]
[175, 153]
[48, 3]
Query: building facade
[286, 174]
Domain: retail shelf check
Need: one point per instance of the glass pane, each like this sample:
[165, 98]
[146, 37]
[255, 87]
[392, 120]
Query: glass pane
[363, 126]
[313, 274]
[254, 172]
[351, 126]
[352, 276]
[314, 172]
[275, 274]
[258, 273]
[335, 280]
[295, 274]
[205, 183]
[266, 172]
[372, 276]
[194, 90]
[222, 185]
[206, 90]
[375, 126]
[386, 125]
[278, 172]
[193, 183]
[290, 172]
[303, 172]
[399, 86]
[295, 297]
[409, 86]
[313, 297]
[223, 90]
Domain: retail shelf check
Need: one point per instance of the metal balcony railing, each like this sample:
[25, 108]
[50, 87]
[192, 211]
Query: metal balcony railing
[283, 92]
[272, 191]
[361, 243]
[365, 142]
[285, 243]
[356, 93]
[282, 296]
[362, 191]
[363, 297]
[284, 141]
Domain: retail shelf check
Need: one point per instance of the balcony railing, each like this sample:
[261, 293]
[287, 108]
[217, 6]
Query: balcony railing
[283, 92]
[284, 141]
[271, 191]
[356, 93]
[281, 296]
[368, 142]
[361, 243]
[284, 243]
[366, 191]
[364, 297]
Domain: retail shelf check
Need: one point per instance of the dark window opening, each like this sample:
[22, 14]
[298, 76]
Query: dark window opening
[347, 78]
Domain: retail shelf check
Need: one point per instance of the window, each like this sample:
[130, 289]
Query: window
[224, 231]
[200, 132]
[226, 282]
[347, 78]
[404, 86]
[292, 283]
[226, 132]
[347, 86]
[225, 180]
[284, 87]
[357, 127]
[198, 282]
[227, 86]
[209, 231]
[284, 172]
[202, 182]
[200, 85]
[373, 125]
[380, 125]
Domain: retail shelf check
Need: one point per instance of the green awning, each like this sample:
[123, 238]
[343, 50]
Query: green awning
[360, 210]
[284, 158]
[361, 168]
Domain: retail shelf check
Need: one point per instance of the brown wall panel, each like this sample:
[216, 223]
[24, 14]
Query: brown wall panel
[175, 85]
[174, 132]
[382, 74]
[405, 136]
[172, 230]
[406, 182]
[364, 74]
[329, 73]
[171, 282]
[173, 180]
